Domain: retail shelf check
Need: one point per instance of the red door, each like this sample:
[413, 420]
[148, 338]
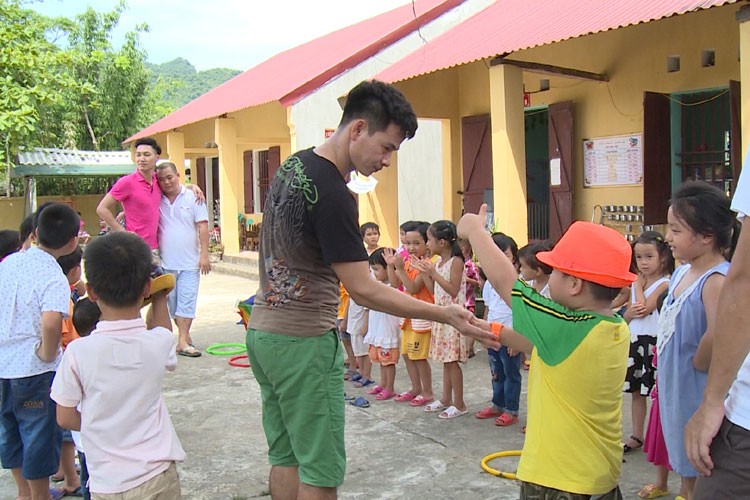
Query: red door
[200, 173]
[735, 131]
[248, 184]
[561, 168]
[657, 157]
[476, 154]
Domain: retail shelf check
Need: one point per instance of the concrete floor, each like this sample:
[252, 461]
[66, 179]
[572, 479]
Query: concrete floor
[394, 451]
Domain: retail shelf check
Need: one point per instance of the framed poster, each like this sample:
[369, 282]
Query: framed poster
[613, 161]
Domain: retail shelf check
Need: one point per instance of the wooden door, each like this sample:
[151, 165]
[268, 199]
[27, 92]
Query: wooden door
[200, 173]
[561, 159]
[657, 158]
[476, 154]
[735, 132]
[248, 182]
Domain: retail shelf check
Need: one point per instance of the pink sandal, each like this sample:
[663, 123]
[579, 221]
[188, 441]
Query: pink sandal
[420, 401]
[404, 397]
[506, 419]
[385, 395]
[375, 390]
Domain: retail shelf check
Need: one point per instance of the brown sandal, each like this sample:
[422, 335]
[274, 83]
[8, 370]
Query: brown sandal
[626, 448]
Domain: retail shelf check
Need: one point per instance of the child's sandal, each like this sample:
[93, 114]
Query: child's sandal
[626, 448]
[652, 491]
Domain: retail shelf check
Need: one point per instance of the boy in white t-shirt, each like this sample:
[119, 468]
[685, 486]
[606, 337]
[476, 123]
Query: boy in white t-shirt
[116, 376]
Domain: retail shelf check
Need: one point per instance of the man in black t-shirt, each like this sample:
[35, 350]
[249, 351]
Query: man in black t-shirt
[309, 241]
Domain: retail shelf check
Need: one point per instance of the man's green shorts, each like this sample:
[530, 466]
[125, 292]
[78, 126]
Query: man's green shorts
[302, 387]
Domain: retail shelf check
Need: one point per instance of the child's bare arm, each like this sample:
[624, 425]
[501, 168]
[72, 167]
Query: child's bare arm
[426, 269]
[51, 335]
[159, 313]
[452, 286]
[710, 297]
[390, 261]
[497, 266]
[653, 299]
[509, 337]
[68, 418]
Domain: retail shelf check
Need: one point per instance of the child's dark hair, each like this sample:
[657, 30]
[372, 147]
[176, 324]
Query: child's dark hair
[446, 230]
[603, 293]
[56, 224]
[662, 247]
[379, 104]
[505, 242]
[368, 225]
[410, 225]
[149, 141]
[419, 227]
[27, 228]
[528, 253]
[118, 266]
[10, 242]
[705, 209]
[378, 257]
[70, 261]
[86, 314]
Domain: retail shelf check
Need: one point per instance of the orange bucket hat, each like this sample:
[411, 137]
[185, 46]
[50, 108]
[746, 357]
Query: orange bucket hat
[594, 253]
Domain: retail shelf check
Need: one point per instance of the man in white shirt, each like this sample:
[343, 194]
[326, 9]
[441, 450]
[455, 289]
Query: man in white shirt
[722, 421]
[183, 245]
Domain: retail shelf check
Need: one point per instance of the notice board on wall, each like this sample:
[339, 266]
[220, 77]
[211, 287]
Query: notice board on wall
[613, 161]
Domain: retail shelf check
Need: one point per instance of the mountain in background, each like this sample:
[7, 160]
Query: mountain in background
[179, 82]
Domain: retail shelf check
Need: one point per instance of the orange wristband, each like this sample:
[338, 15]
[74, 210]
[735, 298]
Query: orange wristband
[496, 329]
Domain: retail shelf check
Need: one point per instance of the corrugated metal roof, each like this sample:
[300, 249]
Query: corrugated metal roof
[512, 25]
[289, 76]
[53, 161]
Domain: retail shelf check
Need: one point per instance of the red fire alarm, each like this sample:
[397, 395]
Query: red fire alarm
[526, 99]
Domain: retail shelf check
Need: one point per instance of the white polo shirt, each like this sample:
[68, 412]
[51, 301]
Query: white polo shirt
[178, 231]
[32, 282]
[737, 404]
[116, 376]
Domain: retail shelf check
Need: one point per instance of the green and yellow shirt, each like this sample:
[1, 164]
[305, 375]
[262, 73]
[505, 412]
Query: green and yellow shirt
[573, 438]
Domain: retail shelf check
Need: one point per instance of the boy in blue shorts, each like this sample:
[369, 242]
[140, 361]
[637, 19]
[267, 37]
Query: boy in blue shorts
[579, 357]
[31, 313]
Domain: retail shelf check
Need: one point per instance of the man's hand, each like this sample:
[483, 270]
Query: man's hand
[471, 223]
[204, 264]
[700, 432]
[461, 319]
[200, 198]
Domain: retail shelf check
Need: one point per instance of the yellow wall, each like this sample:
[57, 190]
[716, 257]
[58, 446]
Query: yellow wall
[635, 59]
[11, 210]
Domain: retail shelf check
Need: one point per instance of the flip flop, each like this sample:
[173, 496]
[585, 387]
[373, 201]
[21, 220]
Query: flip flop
[349, 374]
[75, 493]
[349, 398]
[435, 406]
[189, 351]
[452, 412]
[626, 448]
[506, 419]
[56, 493]
[360, 402]
[375, 390]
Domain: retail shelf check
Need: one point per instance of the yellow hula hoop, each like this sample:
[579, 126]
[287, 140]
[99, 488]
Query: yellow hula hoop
[499, 454]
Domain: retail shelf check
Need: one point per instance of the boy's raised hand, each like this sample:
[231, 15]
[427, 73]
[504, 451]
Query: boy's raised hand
[471, 223]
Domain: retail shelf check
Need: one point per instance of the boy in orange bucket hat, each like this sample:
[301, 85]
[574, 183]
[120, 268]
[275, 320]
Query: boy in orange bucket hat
[579, 358]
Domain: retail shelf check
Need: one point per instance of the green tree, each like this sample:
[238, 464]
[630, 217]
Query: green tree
[108, 98]
[30, 80]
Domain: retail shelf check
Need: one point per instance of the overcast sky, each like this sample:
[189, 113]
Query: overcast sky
[226, 33]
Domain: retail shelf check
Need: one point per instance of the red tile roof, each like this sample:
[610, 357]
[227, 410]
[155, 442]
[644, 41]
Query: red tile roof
[291, 75]
[512, 25]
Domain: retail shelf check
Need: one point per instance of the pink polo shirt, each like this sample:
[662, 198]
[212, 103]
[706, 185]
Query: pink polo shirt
[141, 203]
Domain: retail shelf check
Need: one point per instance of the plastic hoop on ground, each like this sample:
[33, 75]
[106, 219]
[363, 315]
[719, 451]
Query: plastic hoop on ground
[234, 361]
[227, 349]
[493, 456]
